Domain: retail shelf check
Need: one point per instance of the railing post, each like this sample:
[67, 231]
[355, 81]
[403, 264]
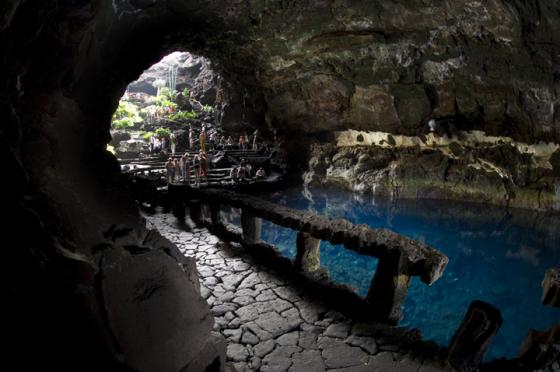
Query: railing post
[215, 215]
[179, 210]
[308, 257]
[195, 211]
[251, 226]
[551, 287]
[389, 286]
[205, 213]
[540, 349]
[473, 336]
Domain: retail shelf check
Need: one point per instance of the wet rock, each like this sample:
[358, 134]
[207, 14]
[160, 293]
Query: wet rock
[551, 287]
[473, 337]
[474, 168]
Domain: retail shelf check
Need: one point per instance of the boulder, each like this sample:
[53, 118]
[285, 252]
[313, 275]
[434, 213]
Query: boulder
[145, 296]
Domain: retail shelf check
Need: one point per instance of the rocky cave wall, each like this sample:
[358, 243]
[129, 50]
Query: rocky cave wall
[301, 67]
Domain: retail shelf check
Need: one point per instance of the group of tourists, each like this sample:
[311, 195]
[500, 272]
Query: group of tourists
[180, 169]
[193, 170]
[207, 140]
[243, 172]
[210, 139]
[157, 144]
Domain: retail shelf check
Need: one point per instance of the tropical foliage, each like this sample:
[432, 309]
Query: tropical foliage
[183, 115]
[147, 135]
[163, 132]
[127, 115]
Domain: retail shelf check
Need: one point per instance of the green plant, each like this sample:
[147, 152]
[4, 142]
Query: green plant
[163, 132]
[147, 135]
[123, 123]
[126, 116]
[163, 101]
[186, 92]
[183, 115]
[111, 149]
[208, 108]
[169, 93]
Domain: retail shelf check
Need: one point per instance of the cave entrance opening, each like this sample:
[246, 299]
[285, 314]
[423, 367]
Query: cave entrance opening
[179, 93]
[180, 122]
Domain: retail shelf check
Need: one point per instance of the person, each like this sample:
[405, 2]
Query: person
[203, 165]
[261, 175]
[196, 167]
[170, 168]
[172, 140]
[247, 168]
[157, 145]
[176, 170]
[191, 139]
[241, 173]
[233, 175]
[241, 143]
[151, 142]
[202, 139]
[255, 136]
[245, 141]
[186, 168]
[212, 140]
[222, 143]
[229, 143]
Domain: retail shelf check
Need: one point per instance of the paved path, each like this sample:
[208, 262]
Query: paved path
[272, 325]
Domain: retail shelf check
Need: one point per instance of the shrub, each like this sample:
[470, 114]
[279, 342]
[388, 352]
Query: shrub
[170, 94]
[147, 135]
[123, 123]
[163, 132]
[126, 115]
[183, 115]
[164, 102]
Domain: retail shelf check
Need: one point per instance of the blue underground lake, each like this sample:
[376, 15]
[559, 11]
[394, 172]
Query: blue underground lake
[495, 255]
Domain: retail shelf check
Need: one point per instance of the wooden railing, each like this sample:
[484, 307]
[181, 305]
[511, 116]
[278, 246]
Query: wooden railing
[399, 257]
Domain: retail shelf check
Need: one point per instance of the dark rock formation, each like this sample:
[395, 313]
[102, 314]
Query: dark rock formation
[551, 287]
[541, 349]
[303, 66]
[473, 337]
[476, 168]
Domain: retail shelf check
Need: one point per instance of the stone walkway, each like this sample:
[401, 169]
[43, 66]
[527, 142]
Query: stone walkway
[271, 324]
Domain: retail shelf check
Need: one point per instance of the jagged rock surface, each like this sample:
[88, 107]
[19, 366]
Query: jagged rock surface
[304, 66]
[499, 171]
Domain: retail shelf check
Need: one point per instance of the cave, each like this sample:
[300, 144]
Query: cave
[408, 137]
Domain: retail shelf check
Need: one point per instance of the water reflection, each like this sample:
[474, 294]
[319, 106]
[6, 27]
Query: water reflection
[496, 255]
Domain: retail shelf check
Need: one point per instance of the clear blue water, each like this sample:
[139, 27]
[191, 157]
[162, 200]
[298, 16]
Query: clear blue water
[495, 255]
